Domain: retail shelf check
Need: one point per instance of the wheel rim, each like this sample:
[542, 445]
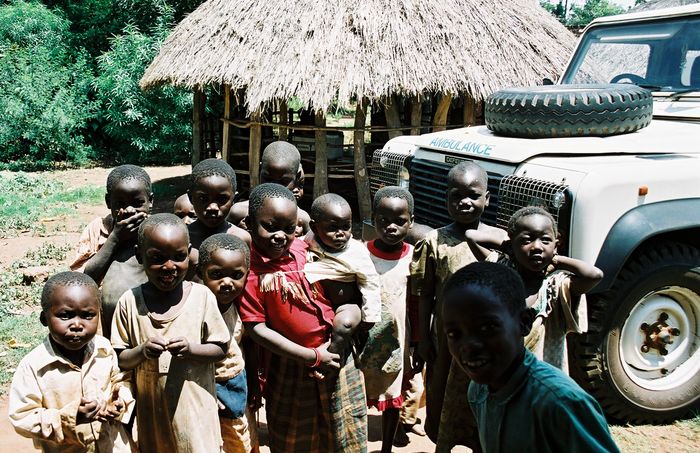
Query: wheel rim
[647, 357]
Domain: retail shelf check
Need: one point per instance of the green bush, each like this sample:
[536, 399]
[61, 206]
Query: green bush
[152, 127]
[44, 90]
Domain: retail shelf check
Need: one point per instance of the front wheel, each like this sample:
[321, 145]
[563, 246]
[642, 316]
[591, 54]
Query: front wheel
[641, 357]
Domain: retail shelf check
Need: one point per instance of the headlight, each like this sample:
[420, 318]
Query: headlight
[404, 177]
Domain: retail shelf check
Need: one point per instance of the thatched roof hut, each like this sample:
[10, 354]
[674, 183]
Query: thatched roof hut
[316, 50]
[658, 4]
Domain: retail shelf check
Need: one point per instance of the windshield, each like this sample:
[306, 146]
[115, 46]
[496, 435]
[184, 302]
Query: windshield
[659, 55]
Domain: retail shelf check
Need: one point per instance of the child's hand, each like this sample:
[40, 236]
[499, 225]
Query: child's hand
[254, 399]
[179, 347]
[220, 404]
[89, 409]
[127, 224]
[417, 362]
[114, 407]
[329, 360]
[154, 347]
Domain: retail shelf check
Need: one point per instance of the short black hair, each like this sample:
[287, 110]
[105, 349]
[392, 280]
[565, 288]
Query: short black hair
[264, 191]
[162, 219]
[527, 211]
[222, 241]
[505, 283]
[393, 192]
[317, 211]
[467, 167]
[126, 172]
[281, 152]
[69, 278]
[213, 167]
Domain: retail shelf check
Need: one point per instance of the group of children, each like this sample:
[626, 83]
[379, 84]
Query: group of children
[209, 310]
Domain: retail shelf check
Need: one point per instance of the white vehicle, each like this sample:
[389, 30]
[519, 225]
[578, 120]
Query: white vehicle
[629, 203]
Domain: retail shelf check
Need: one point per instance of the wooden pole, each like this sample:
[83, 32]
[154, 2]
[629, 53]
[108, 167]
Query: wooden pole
[284, 132]
[469, 110]
[393, 116]
[321, 168]
[443, 107]
[361, 176]
[416, 115]
[198, 103]
[226, 133]
[254, 151]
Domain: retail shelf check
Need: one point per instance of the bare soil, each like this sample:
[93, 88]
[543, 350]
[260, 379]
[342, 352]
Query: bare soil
[172, 181]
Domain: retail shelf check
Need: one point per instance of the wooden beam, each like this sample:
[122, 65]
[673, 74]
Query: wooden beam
[361, 176]
[254, 151]
[284, 132]
[443, 107]
[469, 110]
[198, 117]
[321, 167]
[226, 133]
[416, 115]
[393, 116]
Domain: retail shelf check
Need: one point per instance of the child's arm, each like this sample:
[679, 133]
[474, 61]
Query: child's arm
[252, 365]
[132, 357]
[280, 345]
[124, 230]
[180, 347]
[482, 242]
[422, 283]
[585, 276]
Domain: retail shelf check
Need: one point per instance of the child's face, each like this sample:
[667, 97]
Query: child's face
[298, 187]
[183, 208]
[483, 335]
[212, 198]
[279, 174]
[273, 227]
[535, 243]
[334, 229]
[225, 275]
[73, 317]
[165, 256]
[467, 197]
[392, 220]
[128, 197]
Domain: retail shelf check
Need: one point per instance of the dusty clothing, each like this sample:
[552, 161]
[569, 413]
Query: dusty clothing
[235, 429]
[306, 415]
[45, 395]
[412, 397]
[350, 265]
[557, 314]
[181, 391]
[559, 415]
[435, 258]
[119, 278]
[93, 237]
[383, 355]
[278, 294]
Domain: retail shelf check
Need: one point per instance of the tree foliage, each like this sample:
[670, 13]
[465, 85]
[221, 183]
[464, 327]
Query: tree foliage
[69, 72]
[44, 89]
[580, 16]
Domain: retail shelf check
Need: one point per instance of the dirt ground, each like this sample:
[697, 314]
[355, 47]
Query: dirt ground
[171, 181]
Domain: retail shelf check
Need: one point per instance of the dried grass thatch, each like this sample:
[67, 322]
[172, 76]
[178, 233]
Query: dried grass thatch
[322, 50]
[658, 4]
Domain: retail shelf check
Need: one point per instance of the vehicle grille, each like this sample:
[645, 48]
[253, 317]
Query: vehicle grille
[385, 169]
[428, 184]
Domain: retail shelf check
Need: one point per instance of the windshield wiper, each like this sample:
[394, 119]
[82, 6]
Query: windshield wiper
[676, 94]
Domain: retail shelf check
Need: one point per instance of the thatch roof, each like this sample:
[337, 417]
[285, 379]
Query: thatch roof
[658, 4]
[317, 50]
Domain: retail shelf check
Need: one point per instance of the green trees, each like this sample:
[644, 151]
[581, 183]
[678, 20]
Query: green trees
[580, 16]
[69, 73]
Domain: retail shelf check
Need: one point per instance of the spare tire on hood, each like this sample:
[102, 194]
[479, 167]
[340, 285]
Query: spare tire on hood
[569, 110]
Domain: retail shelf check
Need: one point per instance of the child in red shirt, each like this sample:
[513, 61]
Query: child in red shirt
[293, 319]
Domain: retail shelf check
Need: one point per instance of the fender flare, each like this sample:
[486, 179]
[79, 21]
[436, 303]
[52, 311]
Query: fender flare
[638, 225]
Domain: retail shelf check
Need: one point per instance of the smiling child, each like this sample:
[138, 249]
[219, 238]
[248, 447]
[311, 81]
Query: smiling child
[171, 333]
[68, 394]
[521, 404]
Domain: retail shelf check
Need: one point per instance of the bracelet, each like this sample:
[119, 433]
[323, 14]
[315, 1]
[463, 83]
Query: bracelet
[317, 362]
